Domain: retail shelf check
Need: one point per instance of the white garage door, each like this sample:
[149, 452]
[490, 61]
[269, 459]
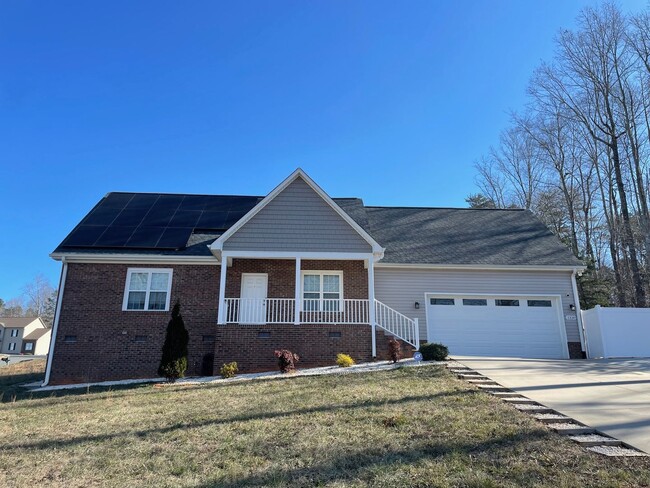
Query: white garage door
[505, 326]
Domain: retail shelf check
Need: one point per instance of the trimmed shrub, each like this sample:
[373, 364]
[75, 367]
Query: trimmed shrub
[394, 350]
[174, 353]
[344, 361]
[433, 351]
[229, 370]
[286, 360]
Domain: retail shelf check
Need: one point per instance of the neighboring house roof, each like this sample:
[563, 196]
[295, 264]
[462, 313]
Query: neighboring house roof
[19, 322]
[36, 334]
[185, 225]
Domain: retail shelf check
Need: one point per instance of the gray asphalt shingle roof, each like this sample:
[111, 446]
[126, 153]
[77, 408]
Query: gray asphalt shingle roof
[410, 235]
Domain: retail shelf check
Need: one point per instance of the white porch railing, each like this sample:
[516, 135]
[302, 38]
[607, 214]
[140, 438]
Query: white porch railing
[282, 311]
[347, 311]
[260, 310]
[397, 324]
[317, 311]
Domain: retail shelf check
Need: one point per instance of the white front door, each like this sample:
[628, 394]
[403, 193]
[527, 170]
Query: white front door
[252, 307]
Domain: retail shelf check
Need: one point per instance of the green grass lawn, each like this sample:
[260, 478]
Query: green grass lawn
[407, 427]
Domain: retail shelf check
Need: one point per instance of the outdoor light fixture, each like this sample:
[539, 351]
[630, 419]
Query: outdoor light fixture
[572, 307]
[417, 305]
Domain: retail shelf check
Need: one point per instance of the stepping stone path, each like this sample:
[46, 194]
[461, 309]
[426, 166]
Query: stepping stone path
[590, 440]
[581, 434]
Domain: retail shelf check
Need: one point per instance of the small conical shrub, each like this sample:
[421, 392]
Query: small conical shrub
[174, 353]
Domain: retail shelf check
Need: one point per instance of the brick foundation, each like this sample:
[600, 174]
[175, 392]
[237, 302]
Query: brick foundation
[252, 346]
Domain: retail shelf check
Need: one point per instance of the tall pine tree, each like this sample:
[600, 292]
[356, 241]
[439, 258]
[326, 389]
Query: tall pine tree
[174, 353]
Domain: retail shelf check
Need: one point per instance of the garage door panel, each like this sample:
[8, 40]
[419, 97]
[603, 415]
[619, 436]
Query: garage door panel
[491, 330]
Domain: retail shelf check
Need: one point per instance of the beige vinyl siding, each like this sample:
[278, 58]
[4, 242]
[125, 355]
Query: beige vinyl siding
[297, 219]
[401, 288]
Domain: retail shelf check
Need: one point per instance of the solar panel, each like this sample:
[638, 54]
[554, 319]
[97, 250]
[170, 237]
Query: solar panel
[145, 237]
[156, 221]
[143, 200]
[185, 218]
[115, 236]
[175, 237]
[212, 220]
[117, 200]
[130, 216]
[101, 216]
[84, 236]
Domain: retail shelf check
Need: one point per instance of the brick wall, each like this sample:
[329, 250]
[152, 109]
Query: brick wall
[112, 344]
[252, 346]
[282, 276]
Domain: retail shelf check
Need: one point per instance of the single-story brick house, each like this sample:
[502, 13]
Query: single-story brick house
[298, 269]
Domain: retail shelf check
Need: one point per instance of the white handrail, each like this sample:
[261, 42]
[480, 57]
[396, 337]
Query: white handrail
[397, 324]
[282, 311]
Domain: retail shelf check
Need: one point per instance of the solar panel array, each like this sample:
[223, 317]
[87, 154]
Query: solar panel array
[156, 221]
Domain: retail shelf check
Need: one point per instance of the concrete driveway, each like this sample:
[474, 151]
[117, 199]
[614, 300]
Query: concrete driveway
[610, 395]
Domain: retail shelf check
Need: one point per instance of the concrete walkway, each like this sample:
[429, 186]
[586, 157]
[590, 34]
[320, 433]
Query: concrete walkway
[610, 395]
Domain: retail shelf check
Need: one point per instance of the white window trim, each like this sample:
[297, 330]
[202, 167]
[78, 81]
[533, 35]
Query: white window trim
[12, 346]
[320, 273]
[130, 271]
[14, 332]
[29, 346]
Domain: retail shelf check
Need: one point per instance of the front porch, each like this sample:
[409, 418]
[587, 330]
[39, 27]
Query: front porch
[329, 299]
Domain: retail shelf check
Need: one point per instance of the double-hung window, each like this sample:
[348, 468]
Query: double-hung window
[147, 289]
[14, 332]
[322, 291]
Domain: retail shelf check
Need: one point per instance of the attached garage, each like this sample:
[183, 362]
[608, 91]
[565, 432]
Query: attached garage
[497, 325]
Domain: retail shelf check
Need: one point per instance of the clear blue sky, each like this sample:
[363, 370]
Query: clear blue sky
[384, 100]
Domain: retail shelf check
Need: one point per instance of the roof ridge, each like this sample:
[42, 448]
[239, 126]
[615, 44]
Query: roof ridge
[448, 208]
[179, 194]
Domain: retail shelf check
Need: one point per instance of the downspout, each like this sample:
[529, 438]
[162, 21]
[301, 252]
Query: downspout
[581, 328]
[55, 325]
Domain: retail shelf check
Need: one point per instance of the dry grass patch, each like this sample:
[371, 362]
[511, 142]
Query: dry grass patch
[407, 427]
[13, 375]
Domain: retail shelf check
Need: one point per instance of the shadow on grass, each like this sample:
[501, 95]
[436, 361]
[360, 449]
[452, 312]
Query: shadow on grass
[61, 443]
[351, 466]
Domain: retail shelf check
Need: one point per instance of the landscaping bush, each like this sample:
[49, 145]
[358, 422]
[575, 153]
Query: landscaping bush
[229, 370]
[174, 353]
[286, 360]
[394, 350]
[344, 361]
[434, 351]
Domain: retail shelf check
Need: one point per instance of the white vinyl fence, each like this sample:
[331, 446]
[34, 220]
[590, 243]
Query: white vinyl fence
[617, 332]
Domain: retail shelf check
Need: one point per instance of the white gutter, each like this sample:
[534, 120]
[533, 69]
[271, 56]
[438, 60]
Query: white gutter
[55, 326]
[132, 258]
[581, 327]
[486, 267]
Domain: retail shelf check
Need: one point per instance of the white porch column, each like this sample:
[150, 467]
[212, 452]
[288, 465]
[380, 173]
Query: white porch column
[222, 290]
[296, 316]
[371, 304]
